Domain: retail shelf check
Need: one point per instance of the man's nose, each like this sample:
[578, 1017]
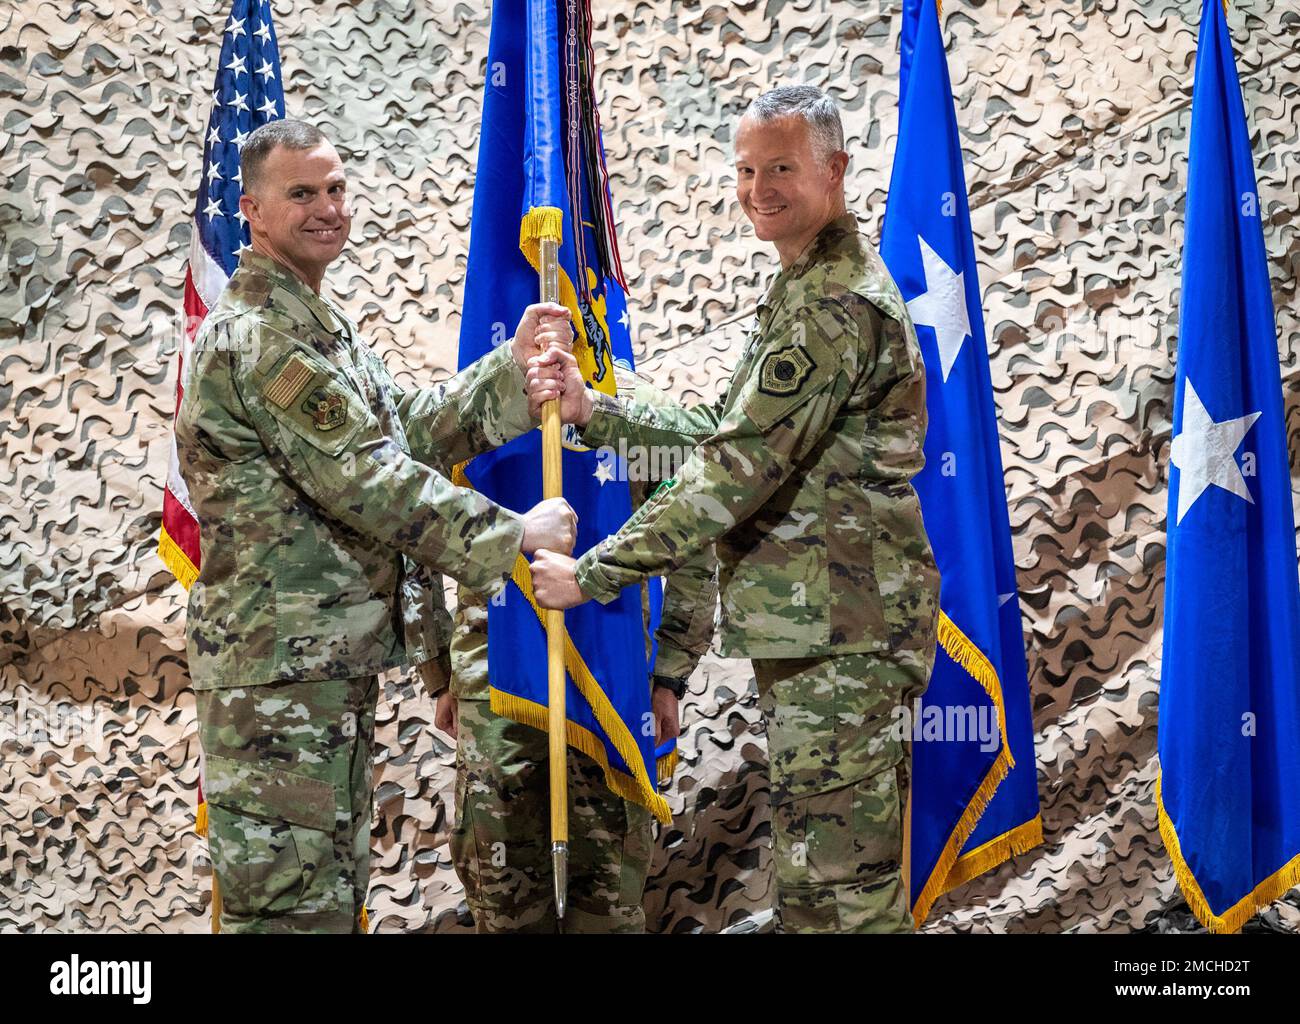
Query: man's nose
[762, 184]
[328, 207]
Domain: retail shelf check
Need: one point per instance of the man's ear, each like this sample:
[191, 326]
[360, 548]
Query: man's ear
[839, 164]
[248, 206]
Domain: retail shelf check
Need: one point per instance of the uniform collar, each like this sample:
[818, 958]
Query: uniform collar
[290, 286]
[822, 245]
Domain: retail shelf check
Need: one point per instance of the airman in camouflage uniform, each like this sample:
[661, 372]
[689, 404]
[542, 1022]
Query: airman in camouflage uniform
[801, 476]
[501, 843]
[325, 516]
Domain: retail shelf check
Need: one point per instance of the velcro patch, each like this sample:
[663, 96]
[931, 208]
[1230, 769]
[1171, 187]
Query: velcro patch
[784, 371]
[327, 409]
[286, 385]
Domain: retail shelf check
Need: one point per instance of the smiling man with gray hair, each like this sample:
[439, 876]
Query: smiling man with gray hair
[801, 474]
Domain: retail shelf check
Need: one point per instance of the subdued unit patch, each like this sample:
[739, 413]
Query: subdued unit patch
[784, 371]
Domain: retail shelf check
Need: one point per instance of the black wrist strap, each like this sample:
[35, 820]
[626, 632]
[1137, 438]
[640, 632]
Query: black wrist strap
[673, 684]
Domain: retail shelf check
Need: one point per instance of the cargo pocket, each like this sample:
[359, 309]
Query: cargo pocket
[463, 842]
[638, 849]
[850, 836]
[272, 836]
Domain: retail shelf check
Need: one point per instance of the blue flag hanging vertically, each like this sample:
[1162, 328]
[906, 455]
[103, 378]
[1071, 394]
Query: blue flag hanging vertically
[540, 150]
[974, 797]
[1229, 788]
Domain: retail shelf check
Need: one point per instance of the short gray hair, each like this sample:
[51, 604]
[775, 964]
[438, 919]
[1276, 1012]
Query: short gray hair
[808, 102]
[257, 147]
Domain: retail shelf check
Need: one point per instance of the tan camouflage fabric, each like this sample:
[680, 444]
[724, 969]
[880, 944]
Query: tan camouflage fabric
[801, 473]
[500, 843]
[1074, 121]
[316, 482]
[288, 783]
[840, 785]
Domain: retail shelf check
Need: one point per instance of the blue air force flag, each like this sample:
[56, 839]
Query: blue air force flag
[1229, 788]
[974, 792]
[540, 149]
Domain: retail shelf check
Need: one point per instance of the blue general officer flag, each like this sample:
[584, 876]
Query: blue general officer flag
[1229, 788]
[974, 791]
[540, 150]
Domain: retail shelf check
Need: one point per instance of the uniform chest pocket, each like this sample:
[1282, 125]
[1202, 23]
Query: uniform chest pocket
[310, 401]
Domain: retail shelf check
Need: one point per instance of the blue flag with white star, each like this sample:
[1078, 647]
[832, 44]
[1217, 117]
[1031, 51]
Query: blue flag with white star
[540, 150]
[974, 789]
[1229, 740]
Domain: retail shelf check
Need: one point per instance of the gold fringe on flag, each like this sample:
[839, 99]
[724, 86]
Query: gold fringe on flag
[538, 224]
[987, 856]
[1232, 919]
[171, 555]
[961, 649]
[365, 921]
[638, 788]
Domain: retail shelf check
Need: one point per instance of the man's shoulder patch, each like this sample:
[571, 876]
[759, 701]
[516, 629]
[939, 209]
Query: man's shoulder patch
[286, 385]
[327, 408]
[784, 371]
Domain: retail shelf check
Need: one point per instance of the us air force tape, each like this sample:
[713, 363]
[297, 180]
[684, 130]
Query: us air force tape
[784, 371]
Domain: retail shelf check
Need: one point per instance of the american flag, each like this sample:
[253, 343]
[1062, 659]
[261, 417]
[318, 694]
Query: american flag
[248, 93]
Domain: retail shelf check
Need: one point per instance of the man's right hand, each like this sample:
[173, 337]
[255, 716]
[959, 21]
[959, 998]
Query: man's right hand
[551, 524]
[555, 374]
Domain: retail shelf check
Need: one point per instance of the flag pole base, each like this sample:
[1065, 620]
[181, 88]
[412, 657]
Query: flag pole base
[560, 868]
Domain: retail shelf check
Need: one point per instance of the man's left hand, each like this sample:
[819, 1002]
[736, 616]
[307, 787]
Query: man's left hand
[446, 714]
[668, 724]
[555, 584]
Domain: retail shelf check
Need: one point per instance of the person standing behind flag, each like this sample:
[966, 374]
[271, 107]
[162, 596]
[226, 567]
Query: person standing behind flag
[500, 843]
[315, 478]
[801, 475]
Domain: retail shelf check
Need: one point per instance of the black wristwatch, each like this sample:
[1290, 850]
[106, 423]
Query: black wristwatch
[673, 684]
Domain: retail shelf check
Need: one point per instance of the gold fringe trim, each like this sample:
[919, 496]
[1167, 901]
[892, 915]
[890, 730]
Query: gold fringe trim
[1232, 919]
[547, 222]
[365, 921]
[615, 728]
[987, 856]
[666, 766]
[201, 819]
[216, 903]
[176, 560]
[639, 790]
[534, 715]
[963, 651]
[540, 224]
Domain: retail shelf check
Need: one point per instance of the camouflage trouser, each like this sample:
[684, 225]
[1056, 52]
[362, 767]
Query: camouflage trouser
[840, 784]
[288, 783]
[501, 843]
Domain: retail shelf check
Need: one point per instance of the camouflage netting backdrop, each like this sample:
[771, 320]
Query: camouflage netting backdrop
[1074, 115]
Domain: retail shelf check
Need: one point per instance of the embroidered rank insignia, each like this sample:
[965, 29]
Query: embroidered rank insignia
[784, 371]
[285, 386]
[327, 411]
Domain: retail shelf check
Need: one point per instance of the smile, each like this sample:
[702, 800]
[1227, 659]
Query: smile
[323, 234]
[769, 211]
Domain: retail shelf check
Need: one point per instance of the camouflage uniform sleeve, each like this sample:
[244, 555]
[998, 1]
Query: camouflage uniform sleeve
[801, 377]
[325, 438]
[686, 628]
[481, 408]
[650, 417]
[469, 647]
